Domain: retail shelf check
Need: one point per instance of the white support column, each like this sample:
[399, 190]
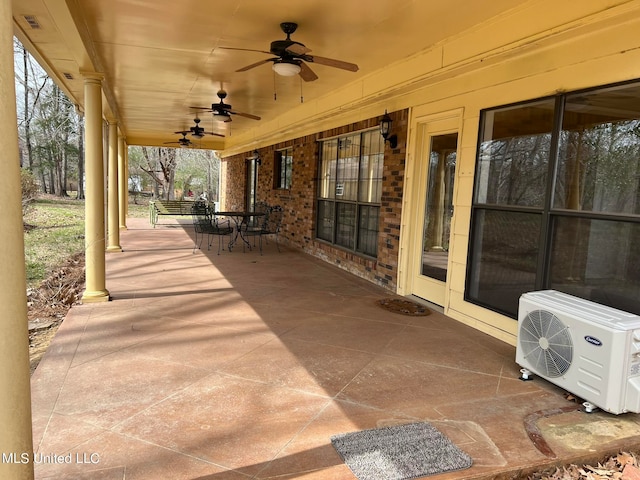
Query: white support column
[16, 444]
[95, 289]
[113, 228]
[123, 180]
[126, 169]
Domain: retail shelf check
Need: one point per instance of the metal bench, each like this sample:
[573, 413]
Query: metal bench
[168, 207]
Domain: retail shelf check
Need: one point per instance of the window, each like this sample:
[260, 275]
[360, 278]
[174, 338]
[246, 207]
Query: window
[557, 200]
[349, 191]
[283, 165]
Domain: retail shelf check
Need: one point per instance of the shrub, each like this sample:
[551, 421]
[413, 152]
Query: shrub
[30, 189]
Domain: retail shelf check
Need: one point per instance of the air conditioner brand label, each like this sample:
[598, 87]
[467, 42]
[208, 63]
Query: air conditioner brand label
[593, 341]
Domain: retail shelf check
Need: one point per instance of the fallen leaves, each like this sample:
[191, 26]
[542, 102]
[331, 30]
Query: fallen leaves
[48, 304]
[623, 466]
[60, 290]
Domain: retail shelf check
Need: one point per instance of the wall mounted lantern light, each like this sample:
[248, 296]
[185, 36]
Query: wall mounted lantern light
[256, 157]
[385, 130]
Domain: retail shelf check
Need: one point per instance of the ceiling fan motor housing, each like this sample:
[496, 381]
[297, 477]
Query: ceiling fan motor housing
[220, 107]
[279, 47]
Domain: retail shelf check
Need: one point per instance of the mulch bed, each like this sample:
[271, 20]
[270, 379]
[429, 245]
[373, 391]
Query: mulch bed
[48, 304]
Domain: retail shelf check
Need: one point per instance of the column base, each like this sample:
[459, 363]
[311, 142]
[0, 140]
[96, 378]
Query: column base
[95, 297]
[114, 248]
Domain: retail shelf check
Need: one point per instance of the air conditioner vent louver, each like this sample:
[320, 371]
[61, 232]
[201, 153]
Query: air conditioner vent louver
[546, 343]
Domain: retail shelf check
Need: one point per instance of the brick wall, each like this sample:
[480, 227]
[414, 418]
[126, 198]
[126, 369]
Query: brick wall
[298, 229]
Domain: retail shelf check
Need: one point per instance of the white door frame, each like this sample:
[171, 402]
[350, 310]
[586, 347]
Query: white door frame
[415, 186]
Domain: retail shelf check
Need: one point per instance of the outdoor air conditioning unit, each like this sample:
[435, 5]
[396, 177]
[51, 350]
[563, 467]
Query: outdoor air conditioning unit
[590, 350]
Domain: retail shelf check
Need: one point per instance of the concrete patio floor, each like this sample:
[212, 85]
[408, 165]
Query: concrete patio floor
[239, 366]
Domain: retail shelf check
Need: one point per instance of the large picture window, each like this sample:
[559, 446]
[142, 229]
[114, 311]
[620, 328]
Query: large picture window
[557, 200]
[349, 191]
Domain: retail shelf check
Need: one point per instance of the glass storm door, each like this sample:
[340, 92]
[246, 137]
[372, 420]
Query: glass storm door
[437, 157]
[251, 184]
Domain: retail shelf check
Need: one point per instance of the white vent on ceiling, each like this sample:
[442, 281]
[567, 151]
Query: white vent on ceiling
[32, 21]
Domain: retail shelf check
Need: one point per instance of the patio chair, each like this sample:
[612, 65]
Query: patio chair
[253, 225]
[205, 223]
[257, 221]
[270, 224]
[274, 223]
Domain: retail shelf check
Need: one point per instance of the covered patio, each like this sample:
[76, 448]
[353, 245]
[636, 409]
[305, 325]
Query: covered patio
[238, 366]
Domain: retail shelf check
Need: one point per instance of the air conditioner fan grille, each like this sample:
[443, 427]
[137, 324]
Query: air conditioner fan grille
[546, 343]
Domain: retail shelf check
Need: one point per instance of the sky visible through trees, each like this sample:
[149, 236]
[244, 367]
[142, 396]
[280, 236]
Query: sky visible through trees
[50, 135]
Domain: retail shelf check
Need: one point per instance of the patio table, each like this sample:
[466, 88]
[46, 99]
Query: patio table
[239, 218]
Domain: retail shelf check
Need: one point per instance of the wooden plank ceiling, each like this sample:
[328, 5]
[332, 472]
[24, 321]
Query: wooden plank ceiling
[159, 58]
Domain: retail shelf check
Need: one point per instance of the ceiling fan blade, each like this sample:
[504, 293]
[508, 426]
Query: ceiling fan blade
[306, 73]
[246, 115]
[297, 49]
[214, 134]
[253, 65]
[330, 62]
[206, 109]
[245, 50]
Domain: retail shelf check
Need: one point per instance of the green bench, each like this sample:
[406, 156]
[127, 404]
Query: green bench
[168, 207]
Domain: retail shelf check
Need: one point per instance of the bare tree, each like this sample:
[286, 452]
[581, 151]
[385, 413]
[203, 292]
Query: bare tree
[161, 167]
[193, 169]
[56, 125]
[31, 81]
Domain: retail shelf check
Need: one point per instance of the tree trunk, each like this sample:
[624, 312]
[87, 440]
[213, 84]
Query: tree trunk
[59, 175]
[80, 157]
[52, 179]
[65, 163]
[27, 116]
[167, 158]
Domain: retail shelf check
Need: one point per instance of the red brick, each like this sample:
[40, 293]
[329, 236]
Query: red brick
[299, 202]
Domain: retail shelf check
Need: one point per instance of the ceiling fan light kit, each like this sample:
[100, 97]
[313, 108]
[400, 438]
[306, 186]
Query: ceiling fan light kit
[286, 69]
[183, 142]
[222, 117]
[222, 111]
[290, 59]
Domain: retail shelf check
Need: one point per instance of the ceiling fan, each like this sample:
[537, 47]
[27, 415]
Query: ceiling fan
[199, 132]
[183, 142]
[290, 57]
[223, 111]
